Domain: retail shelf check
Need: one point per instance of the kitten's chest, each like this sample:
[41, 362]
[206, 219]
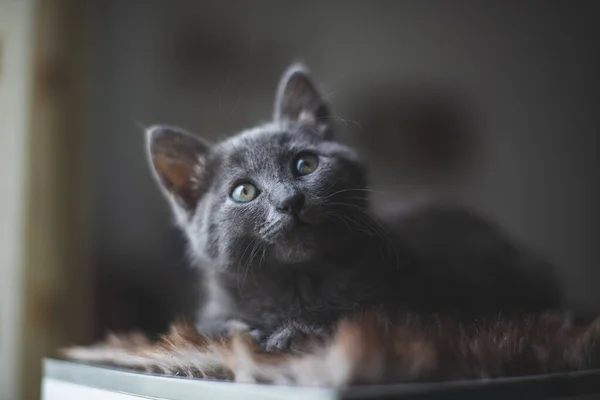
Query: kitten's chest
[290, 294]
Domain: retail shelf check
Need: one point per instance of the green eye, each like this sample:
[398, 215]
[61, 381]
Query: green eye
[306, 163]
[244, 192]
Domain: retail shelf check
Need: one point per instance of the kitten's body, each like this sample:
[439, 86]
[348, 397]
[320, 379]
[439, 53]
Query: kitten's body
[369, 274]
[301, 249]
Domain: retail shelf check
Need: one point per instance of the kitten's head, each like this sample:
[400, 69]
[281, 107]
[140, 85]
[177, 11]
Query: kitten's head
[279, 193]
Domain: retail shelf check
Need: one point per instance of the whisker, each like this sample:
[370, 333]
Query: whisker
[338, 217]
[357, 224]
[374, 225]
[331, 185]
[246, 249]
[353, 190]
[245, 266]
[262, 258]
[344, 121]
[248, 268]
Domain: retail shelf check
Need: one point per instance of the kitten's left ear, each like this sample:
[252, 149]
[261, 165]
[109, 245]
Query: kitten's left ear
[179, 161]
[299, 102]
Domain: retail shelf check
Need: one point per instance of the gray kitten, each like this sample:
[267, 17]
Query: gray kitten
[277, 219]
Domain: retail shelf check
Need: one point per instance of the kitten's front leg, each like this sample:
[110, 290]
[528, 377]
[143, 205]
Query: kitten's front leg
[295, 336]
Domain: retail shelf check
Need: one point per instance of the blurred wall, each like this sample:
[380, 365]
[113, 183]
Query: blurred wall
[525, 72]
[16, 43]
[45, 285]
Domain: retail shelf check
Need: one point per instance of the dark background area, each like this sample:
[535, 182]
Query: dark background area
[493, 103]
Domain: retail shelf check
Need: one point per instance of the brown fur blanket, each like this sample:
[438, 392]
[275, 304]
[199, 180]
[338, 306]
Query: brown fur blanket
[365, 350]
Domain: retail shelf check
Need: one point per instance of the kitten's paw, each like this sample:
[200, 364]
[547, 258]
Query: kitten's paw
[223, 327]
[295, 337]
[233, 325]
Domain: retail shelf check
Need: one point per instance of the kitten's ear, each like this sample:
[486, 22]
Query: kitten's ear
[179, 162]
[299, 102]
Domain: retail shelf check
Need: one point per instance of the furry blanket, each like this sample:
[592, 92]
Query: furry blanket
[365, 350]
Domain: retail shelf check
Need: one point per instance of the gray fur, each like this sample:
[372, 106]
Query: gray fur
[264, 267]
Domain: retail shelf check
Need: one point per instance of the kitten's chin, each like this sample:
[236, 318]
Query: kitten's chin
[297, 251]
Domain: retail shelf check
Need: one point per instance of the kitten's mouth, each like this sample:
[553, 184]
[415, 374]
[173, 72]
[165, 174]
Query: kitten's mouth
[295, 241]
[292, 230]
[295, 226]
[286, 229]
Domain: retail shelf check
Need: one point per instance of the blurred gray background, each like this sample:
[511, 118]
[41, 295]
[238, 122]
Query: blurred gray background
[492, 103]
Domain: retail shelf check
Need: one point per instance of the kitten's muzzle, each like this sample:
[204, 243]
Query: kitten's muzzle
[292, 204]
[298, 212]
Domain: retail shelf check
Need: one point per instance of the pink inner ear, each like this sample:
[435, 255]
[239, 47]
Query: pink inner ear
[174, 173]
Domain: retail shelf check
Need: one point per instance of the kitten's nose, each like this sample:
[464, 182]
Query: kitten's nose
[292, 204]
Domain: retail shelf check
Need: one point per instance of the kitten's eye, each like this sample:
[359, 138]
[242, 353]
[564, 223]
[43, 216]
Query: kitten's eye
[244, 192]
[306, 163]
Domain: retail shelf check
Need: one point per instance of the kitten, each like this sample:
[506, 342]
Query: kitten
[277, 218]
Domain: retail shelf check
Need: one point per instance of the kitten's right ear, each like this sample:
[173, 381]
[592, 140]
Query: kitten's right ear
[298, 101]
[179, 162]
